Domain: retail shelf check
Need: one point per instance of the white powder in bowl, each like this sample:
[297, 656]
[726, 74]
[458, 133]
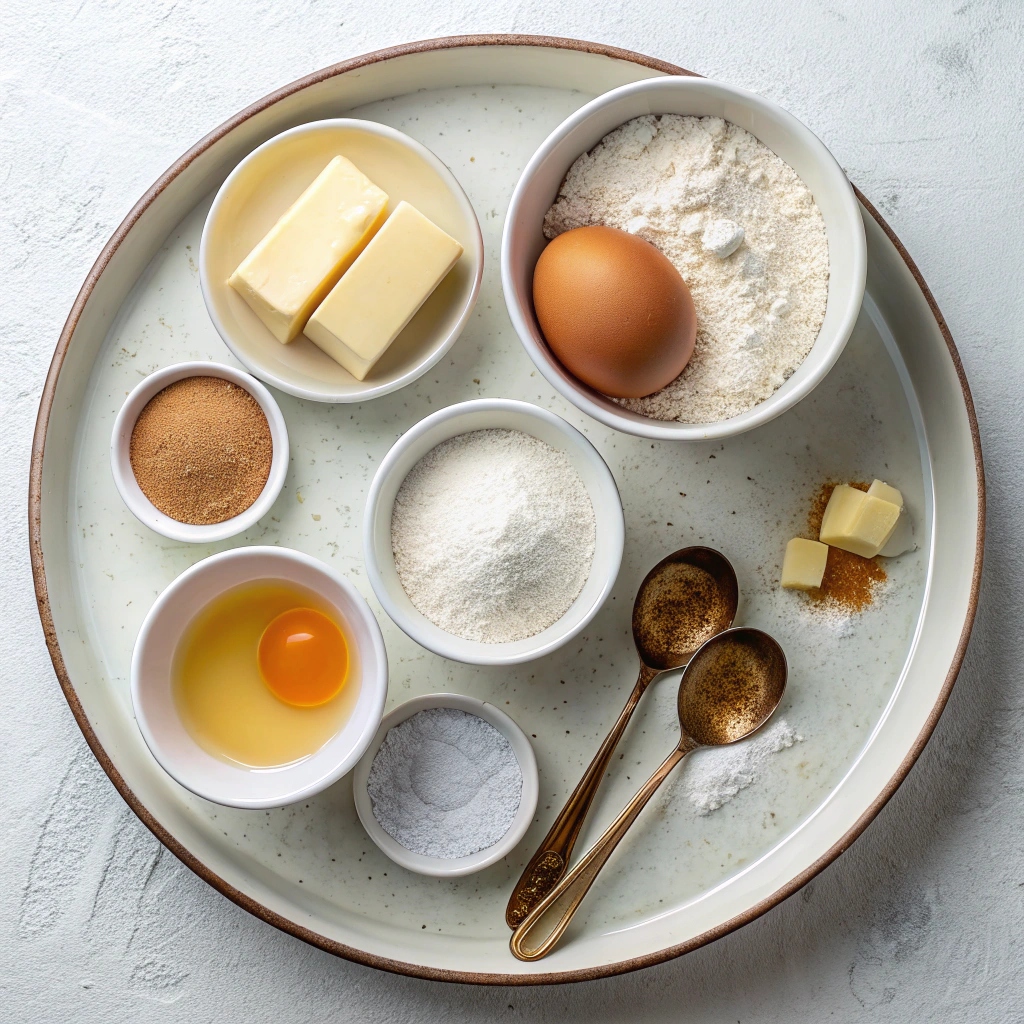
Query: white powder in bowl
[493, 533]
[445, 783]
[741, 228]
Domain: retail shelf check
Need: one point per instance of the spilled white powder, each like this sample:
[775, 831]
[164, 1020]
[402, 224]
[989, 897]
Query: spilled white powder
[493, 533]
[445, 783]
[741, 228]
[715, 775]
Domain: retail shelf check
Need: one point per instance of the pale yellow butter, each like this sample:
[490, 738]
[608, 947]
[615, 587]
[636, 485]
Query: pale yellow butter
[804, 564]
[301, 258]
[880, 489]
[381, 292]
[840, 514]
[858, 521]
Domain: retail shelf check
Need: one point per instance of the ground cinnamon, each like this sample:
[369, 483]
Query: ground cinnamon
[849, 579]
[201, 450]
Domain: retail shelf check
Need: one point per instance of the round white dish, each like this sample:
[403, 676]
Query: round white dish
[265, 183]
[174, 748]
[128, 487]
[864, 694]
[436, 866]
[781, 132]
[488, 414]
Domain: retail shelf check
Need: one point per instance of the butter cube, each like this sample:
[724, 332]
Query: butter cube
[857, 521]
[396, 273]
[804, 564]
[840, 513]
[301, 258]
[878, 489]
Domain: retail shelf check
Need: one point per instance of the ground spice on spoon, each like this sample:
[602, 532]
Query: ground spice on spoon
[201, 450]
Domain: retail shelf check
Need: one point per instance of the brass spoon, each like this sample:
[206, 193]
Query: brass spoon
[729, 689]
[684, 600]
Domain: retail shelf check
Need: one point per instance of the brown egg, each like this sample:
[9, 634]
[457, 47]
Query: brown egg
[614, 311]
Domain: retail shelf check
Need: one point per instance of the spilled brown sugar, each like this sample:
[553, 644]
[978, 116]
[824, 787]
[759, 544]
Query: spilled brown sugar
[850, 581]
[201, 450]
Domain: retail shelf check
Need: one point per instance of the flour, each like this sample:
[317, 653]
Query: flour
[493, 534]
[715, 775]
[740, 227]
[445, 784]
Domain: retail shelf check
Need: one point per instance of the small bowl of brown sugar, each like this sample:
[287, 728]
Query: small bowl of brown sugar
[199, 451]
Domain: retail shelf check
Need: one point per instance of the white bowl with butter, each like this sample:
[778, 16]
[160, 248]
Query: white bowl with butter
[265, 185]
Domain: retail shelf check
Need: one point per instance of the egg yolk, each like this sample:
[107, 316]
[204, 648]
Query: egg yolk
[303, 657]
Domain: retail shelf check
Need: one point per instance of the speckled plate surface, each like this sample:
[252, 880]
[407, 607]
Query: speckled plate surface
[864, 692]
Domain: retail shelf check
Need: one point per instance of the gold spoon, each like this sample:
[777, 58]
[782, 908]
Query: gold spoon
[730, 688]
[684, 600]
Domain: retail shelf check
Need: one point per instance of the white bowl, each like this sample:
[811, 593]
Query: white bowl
[487, 414]
[120, 462]
[781, 132]
[266, 183]
[438, 866]
[152, 698]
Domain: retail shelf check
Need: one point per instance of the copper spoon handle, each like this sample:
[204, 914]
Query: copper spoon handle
[538, 933]
[552, 857]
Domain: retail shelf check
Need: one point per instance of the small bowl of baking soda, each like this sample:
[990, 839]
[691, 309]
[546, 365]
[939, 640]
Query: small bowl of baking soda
[448, 785]
[493, 532]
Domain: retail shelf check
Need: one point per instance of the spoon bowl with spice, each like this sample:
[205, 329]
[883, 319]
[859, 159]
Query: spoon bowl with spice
[199, 451]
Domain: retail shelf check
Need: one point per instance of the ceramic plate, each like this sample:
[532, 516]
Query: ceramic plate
[864, 692]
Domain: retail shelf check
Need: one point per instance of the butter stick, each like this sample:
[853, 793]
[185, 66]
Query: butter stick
[381, 292]
[301, 258]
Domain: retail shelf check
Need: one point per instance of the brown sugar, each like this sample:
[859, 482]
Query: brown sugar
[201, 450]
[849, 579]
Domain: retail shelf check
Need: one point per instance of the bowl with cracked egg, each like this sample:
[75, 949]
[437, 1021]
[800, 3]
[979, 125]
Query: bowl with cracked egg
[683, 260]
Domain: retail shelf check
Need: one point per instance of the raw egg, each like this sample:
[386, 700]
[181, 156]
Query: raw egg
[614, 311]
[303, 657]
[263, 675]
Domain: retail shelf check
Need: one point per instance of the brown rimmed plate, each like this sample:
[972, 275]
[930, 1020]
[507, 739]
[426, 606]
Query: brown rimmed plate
[865, 694]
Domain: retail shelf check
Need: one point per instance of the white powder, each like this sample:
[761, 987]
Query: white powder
[493, 533]
[715, 775]
[445, 783]
[740, 227]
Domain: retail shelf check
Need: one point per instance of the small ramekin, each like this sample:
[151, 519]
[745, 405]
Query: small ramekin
[437, 866]
[153, 700]
[128, 487]
[487, 414]
[782, 133]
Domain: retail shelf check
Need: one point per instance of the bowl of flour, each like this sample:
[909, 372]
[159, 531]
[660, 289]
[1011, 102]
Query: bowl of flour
[748, 205]
[493, 532]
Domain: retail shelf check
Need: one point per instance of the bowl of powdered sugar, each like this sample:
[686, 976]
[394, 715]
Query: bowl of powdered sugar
[448, 785]
[748, 205]
[493, 532]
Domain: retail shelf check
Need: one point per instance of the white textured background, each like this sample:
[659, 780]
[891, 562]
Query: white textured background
[923, 919]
